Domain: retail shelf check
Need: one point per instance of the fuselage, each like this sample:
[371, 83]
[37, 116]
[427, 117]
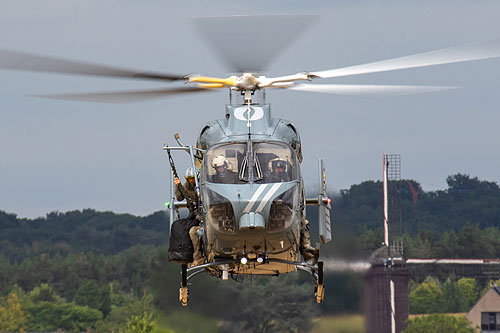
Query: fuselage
[249, 210]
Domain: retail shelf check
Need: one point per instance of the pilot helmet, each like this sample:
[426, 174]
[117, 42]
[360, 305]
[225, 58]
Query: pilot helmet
[277, 163]
[189, 173]
[219, 160]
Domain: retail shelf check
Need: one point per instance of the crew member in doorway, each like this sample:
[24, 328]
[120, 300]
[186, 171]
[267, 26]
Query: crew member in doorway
[190, 188]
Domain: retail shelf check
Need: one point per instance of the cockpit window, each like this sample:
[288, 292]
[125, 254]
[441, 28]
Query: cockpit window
[229, 163]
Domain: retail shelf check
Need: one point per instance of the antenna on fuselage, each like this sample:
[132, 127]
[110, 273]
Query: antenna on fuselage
[250, 157]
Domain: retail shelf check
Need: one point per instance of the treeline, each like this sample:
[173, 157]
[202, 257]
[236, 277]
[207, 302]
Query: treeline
[76, 291]
[468, 242]
[440, 223]
[129, 270]
[139, 287]
[74, 232]
[113, 263]
[467, 201]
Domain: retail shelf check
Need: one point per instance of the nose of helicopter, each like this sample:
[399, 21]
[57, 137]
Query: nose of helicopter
[252, 220]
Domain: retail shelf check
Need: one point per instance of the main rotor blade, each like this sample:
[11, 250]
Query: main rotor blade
[36, 63]
[467, 52]
[125, 96]
[249, 43]
[368, 90]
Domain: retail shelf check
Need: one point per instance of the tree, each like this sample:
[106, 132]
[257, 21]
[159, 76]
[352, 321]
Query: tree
[469, 293]
[12, 316]
[438, 323]
[140, 323]
[44, 293]
[47, 316]
[94, 296]
[426, 298]
[272, 304]
[452, 298]
[124, 307]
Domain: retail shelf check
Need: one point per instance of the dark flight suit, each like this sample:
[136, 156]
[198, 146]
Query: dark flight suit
[226, 177]
[193, 232]
[190, 191]
[277, 178]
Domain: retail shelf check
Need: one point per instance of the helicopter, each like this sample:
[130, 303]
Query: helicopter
[251, 224]
[251, 215]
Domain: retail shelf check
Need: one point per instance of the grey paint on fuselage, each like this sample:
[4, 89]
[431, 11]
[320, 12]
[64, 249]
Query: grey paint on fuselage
[245, 192]
[244, 240]
[234, 128]
[243, 202]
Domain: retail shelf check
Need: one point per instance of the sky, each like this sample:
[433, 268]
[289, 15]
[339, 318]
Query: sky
[65, 155]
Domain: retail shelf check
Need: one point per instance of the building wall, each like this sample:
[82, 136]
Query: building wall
[490, 302]
[377, 300]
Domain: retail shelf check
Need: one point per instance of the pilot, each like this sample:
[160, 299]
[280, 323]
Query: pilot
[222, 172]
[278, 169]
[190, 188]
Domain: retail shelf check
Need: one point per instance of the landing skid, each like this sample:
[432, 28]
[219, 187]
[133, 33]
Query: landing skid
[315, 268]
[183, 291]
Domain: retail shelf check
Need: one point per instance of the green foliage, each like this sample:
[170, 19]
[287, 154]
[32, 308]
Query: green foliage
[130, 269]
[44, 293]
[467, 201]
[140, 323]
[344, 291]
[438, 323]
[47, 316]
[469, 242]
[109, 262]
[359, 207]
[340, 323]
[78, 232]
[487, 286]
[94, 296]
[272, 305]
[126, 306]
[12, 316]
[469, 293]
[431, 296]
[186, 320]
[370, 240]
[426, 298]
[279, 303]
[206, 295]
[452, 299]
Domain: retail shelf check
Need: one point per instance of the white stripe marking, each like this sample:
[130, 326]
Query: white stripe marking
[393, 308]
[254, 198]
[268, 195]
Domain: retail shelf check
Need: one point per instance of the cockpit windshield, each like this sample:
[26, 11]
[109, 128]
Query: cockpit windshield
[270, 162]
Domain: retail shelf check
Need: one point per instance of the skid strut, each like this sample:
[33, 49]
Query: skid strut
[320, 288]
[183, 291]
[315, 269]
